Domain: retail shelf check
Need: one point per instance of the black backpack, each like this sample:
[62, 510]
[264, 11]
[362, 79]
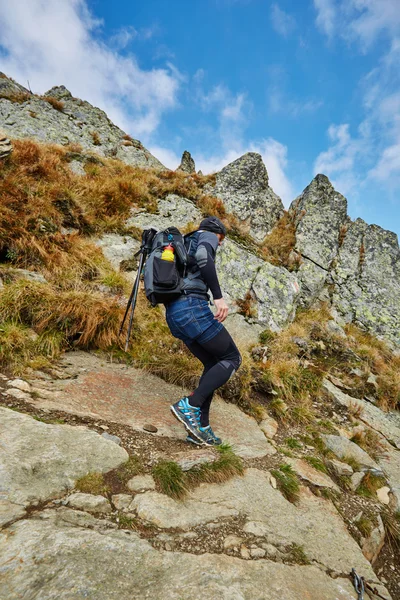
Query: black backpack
[163, 279]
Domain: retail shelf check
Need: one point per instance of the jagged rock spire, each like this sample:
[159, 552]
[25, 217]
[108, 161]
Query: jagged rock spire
[244, 188]
[187, 163]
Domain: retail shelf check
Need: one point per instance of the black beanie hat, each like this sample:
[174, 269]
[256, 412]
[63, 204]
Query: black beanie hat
[213, 224]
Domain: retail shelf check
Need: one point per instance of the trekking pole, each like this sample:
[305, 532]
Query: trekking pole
[145, 247]
[358, 583]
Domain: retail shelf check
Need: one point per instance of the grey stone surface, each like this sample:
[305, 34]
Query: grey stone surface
[67, 563]
[390, 463]
[367, 280]
[171, 210]
[187, 163]
[89, 502]
[339, 467]
[308, 473]
[141, 483]
[5, 145]
[372, 546]
[19, 384]
[118, 393]
[269, 426]
[388, 424]
[117, 248]
[313, 523]
[111, 438]
[243, 186]
[40, 461]
[196, 458]
[344, 448]
[276, 291]
[319, 212]
[237, 268]
[122, 501]
[162, 511]
[78, 122]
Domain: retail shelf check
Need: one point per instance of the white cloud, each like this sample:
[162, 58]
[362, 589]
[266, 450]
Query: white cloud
[274, 155]
[388, 164]
[338, 162]
[326, 16]
[361, 21]
[283, 22]
[53, 43]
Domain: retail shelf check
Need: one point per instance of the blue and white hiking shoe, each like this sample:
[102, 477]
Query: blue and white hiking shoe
[208, 436]
[189, 416]
[193, 440]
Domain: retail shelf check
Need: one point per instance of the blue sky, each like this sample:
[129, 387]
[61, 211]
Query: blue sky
[312, 85]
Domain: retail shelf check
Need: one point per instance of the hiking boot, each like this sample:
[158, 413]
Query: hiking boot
[189, 416]
[208, 437]
[193, 440]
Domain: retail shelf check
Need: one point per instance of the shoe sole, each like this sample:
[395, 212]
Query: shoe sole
[184, 423]
[191, 440]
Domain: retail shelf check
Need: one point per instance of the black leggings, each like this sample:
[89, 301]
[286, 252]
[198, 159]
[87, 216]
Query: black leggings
[221, 359]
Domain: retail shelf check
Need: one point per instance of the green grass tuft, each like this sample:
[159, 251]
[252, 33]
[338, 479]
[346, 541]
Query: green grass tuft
[170, 478]
[288, 482]
[317, 463]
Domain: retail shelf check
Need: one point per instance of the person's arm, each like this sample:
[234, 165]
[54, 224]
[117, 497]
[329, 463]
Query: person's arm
[205, 256]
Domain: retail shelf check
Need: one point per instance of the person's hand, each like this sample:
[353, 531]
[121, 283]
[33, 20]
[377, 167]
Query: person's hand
[222, 310]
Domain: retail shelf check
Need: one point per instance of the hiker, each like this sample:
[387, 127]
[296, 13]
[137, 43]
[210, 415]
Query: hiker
[191, 320]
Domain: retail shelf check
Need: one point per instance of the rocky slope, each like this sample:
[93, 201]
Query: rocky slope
[319, 488]
[233, 538]
[59, 118]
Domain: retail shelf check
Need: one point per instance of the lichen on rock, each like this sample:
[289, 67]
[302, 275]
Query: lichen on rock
[244, 188]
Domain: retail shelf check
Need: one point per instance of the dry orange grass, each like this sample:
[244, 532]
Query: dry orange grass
[277, 246]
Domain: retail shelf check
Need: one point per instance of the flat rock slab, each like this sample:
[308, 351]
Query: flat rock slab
[164, 512]
[344, 448]
[40, 461]
[133, 397]
[308, 473]
[313, 524]
[71, 563]
[388, 424]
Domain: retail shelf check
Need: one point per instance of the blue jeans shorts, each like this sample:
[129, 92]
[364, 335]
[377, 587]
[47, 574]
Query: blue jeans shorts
[191, 319]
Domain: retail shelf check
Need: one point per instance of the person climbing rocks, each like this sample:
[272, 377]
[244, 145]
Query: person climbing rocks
[191, 320]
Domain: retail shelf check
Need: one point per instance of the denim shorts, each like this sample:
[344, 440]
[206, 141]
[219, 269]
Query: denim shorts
[190, 319]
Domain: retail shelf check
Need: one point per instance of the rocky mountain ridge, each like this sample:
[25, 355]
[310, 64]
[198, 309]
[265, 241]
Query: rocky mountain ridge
[59, 118]
[353, 266]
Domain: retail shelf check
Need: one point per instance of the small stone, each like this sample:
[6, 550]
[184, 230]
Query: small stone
[20, 384]
[104, 427]
[373, 380]
[111, 438]
[269, 427]
[18, 394]
[195, 458]
[357, 372]
[270, 549]
[141, 483]
[272, 481]
[232, 541]
[245, 552]
[150, 428]
[121, 501]
[383, 494]
[257, 553]
[374, 543]
[355, 480]
[340, 468]
[89, 503]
